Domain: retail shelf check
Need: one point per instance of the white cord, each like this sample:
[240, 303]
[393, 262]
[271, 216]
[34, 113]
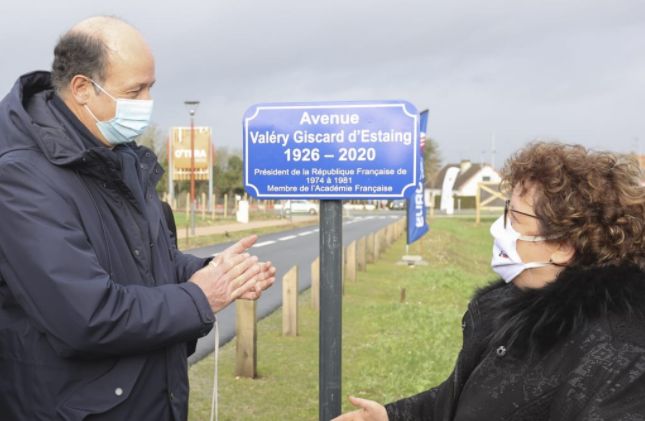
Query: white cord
[214, 414]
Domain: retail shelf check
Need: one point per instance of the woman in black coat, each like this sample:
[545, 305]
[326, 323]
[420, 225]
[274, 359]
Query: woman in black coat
[561, 336]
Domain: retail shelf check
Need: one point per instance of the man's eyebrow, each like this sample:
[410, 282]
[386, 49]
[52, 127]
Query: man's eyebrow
[141, 85]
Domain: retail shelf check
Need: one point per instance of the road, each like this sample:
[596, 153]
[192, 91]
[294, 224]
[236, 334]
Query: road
[287, 249]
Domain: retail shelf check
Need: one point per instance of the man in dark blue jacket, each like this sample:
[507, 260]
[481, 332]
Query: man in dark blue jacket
[96, 303]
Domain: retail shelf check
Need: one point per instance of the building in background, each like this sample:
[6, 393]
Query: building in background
[464, 189]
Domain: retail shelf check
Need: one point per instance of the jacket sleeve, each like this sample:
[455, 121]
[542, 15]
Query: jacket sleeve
[607, 384]
[432, 404]
[52, 271]
[417, 407]
[187, 264]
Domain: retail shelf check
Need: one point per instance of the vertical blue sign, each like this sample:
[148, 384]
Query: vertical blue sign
[417, 223]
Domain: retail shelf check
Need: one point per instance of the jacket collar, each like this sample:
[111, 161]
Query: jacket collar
[35, 122]
[534, 320]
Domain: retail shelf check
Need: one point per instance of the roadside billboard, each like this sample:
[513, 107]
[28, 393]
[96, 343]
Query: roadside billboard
[180, 153]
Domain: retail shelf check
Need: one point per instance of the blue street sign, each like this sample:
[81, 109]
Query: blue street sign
[333, 151]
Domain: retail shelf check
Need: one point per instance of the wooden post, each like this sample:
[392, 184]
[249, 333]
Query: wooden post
[361, 258]
[350, 262]
[290, 303]
[246, 335]
[315, 283]
[386, 235]
[370, 248]
[214, 206]
[203, 204]
[225, 205]
[377, 244]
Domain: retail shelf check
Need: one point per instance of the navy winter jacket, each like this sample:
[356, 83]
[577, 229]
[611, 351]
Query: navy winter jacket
[95, 310]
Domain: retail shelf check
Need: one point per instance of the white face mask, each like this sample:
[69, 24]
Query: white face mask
[129, 122]
[506, 262]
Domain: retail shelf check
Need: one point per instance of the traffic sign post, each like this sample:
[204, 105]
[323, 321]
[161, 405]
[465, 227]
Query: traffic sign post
[332, 152]
[331, 308]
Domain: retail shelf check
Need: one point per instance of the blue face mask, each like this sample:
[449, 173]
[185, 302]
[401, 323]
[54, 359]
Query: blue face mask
[129, 122]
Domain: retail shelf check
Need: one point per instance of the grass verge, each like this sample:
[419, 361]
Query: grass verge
[182, 218]
[390, 349]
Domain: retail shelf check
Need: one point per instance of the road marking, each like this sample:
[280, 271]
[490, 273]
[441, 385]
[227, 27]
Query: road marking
[264, 243]
[288, 237]
[302, 234]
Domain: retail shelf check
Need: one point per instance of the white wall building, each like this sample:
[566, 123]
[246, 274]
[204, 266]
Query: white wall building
[465, 184]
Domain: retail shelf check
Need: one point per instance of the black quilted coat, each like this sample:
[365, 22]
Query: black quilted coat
[574, 350]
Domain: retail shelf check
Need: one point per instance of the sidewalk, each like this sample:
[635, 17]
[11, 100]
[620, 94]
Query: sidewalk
[237, 226]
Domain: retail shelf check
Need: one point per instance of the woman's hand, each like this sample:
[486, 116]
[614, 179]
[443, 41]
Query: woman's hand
[369, 411]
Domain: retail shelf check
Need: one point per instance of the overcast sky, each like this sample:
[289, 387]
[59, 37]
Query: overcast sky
[502, 71]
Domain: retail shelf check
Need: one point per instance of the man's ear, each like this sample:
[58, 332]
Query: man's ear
[563, 255]
[80, 89]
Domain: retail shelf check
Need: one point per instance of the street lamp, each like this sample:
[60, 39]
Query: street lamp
[191, 106]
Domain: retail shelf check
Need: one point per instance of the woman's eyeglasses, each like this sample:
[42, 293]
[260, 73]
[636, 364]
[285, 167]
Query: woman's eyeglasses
[507, 209]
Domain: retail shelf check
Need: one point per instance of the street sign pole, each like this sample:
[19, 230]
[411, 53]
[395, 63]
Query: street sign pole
[331, 152]
[331, 298]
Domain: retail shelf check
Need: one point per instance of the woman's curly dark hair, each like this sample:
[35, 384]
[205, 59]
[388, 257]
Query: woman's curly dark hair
[591, 200]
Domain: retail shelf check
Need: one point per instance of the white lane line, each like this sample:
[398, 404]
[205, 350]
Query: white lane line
[264, 243]
[302, 234]
[288, 237]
